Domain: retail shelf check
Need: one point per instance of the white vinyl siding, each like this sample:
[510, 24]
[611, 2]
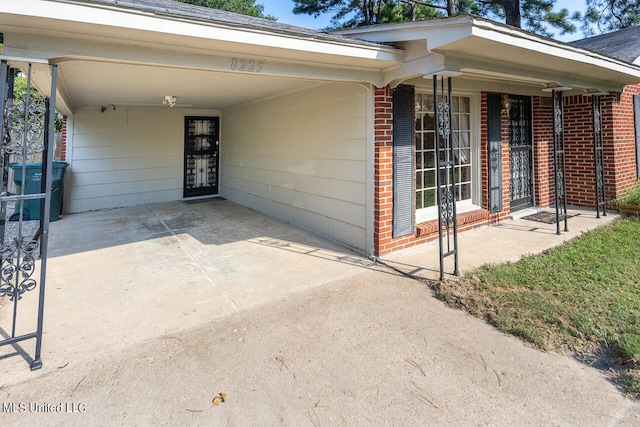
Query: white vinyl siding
[302, 157]
[125, 157]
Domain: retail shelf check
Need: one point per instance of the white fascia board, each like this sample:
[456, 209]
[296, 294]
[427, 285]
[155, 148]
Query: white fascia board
[481, 67]
[427, 65]
[114, 20]
[554, 49]
[67, 50]
[448, 35]
[408, 31]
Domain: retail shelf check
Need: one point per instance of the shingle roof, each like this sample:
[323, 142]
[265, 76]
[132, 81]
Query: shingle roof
[622, 44]
[198, 13]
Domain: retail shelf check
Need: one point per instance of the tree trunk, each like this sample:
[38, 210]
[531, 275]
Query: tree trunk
[366, 9]
[512, 13]
[451, 7]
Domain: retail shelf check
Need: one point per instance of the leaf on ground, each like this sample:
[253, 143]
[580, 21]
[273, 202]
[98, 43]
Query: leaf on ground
[220, 398]
[217, 400]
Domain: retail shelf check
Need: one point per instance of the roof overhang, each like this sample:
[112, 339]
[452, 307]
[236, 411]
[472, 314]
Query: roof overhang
[95, 19]
[478, 48]
[110, 52]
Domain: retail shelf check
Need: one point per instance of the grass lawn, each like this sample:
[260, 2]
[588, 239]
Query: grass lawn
[583, 296]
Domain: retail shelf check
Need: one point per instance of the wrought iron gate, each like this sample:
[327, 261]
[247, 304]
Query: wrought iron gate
[446, 174]
[598, 155]
[559, 160]
[26, 139]
[521, 153]
[201, 148]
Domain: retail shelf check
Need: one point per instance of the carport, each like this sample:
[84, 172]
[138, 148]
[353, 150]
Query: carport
[122, 277]
[288, 110]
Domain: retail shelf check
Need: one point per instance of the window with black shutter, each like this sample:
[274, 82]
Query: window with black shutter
[403, 168]
[494, 134]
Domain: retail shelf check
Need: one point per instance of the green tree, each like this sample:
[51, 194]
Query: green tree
[20, 94]
[244, 7]
[609, 15]
[20, 88]
[534, 15]
[356, 13]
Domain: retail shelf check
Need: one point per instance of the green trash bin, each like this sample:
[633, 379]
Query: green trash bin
[33, 185]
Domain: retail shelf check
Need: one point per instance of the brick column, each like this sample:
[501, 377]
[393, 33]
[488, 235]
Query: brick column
[383, 167]
[542, 109]
[619, 142]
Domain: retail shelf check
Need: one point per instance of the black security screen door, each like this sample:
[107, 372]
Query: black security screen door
[201, 159]
[521, 153]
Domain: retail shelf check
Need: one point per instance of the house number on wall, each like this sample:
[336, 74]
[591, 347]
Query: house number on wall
[247, 65]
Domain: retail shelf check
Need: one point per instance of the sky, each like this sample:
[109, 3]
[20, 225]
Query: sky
[282, 9]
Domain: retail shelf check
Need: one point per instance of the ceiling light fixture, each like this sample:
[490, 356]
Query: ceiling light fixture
[169, 100]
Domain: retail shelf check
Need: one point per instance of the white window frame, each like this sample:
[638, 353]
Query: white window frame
[431, 213]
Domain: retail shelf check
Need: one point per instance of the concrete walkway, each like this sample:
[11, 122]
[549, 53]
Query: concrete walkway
[507, 241]
[153, 311]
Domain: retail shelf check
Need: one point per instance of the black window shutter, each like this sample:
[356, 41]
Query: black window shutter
[494, 136]
[636, 115]
[403, 155]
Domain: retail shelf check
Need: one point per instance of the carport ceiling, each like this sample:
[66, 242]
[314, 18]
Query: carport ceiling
[95, 84]
[137, 52]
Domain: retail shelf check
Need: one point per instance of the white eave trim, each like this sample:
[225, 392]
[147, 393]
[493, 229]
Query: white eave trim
[527, 41]
[130, 19]
[440, 36]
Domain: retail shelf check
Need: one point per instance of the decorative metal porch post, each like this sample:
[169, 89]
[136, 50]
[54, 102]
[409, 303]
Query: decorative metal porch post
[598, 155]
[445, 175]
[26, 137]
[559, 160]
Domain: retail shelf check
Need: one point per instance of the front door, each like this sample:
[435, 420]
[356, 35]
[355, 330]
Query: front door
[201, 155]
[520, 153]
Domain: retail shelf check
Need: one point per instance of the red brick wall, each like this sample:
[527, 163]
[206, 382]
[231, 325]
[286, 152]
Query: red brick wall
[622, 136]
[506, 169]
[383, 170]
[544, 183]
[579, 160]
[618, 140]
[619, 158]
[383, 182]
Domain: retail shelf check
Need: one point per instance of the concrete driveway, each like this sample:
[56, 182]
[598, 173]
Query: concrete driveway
[120, 277]
[153, 311]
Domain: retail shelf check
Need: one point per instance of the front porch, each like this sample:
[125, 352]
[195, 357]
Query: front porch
[506, 241]
[508, 156]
